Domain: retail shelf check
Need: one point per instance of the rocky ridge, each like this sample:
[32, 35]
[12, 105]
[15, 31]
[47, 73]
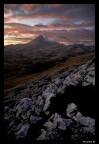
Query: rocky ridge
[29, 113]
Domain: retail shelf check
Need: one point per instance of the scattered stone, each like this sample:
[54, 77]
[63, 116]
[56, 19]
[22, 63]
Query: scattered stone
[34, 119]
[89, 80]
[26, 106]
[54, 128]
[61, 90]
[23, 131]
[68, 81]
[58, 82]
[71, 110]
[47, 102]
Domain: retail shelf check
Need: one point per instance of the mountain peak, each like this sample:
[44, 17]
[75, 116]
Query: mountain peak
[43, 38]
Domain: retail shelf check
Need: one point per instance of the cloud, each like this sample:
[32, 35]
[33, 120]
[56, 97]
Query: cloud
[25, 33]
[63, 11]
[57, 5]
[73, 25]
[40, 25]
[51, 19]
[29, 6]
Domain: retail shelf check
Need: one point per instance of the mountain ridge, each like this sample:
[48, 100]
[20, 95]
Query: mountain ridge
[42, 53]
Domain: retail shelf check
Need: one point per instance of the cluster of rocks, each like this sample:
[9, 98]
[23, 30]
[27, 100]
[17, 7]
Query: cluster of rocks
[75, 124]
[27, 107]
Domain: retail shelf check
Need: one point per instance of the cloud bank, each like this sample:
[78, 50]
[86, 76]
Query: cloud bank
[66, 23]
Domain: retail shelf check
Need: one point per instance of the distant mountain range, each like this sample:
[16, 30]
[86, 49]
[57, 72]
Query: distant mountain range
[41, 53]
[43, 41]
[40, 41]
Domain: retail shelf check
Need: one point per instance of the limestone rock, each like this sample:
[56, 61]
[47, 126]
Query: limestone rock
[23, 131]
[54, 128]
[34, 119]
[71, 110]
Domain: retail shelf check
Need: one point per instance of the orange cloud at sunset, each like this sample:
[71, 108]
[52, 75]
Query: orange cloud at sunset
[57, 5]
[70, 22]
[29, 5]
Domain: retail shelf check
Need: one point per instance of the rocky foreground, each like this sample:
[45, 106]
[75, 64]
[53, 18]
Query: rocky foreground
[51, 109]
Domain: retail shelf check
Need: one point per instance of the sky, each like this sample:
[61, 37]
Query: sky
[65, 23]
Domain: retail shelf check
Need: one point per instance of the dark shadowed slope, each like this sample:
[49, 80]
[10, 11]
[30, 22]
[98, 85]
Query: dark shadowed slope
[38, 55]
[16, 80]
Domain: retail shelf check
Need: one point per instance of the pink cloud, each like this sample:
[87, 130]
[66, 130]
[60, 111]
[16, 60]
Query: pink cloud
[29, 6]
[57, 5]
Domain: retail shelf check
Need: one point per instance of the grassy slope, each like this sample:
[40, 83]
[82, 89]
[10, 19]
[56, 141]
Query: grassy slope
[13, 81]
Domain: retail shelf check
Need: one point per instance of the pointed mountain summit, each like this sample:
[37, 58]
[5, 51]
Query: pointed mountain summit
[39, 43]
[42, 40]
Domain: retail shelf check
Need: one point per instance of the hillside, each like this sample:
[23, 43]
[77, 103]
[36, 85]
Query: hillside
[40, 54]
[19, 80]
[54, 107]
